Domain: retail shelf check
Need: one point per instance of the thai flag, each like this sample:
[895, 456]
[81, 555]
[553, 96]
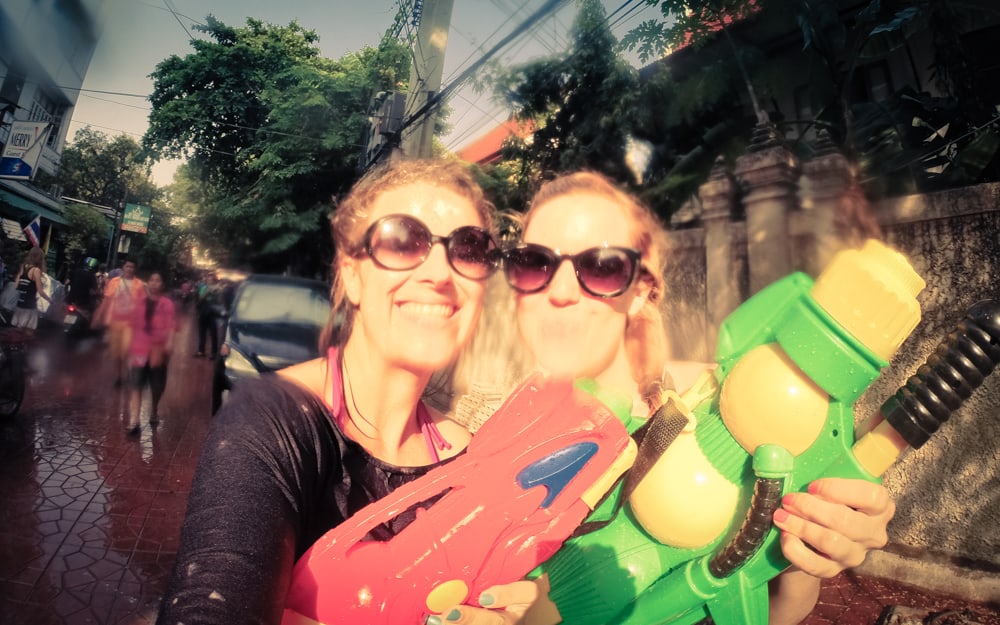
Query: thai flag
[34, 231]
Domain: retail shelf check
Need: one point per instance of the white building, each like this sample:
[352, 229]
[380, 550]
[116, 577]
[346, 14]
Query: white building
[45, 50]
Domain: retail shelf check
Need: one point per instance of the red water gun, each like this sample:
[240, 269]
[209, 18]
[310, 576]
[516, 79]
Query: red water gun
[531, 474]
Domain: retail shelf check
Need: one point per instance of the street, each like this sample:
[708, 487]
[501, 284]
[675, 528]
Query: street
[91, 517]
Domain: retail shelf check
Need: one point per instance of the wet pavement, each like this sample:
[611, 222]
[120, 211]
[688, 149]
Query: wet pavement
[90, 517]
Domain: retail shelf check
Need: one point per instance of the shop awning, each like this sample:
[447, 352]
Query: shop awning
[30, 202]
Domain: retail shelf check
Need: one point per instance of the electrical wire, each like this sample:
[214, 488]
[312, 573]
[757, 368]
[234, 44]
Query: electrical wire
[173, 11]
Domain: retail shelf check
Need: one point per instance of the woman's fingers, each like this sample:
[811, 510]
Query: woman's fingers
[816, 549]
[505, 604]
[834, 525]
[866, 497]
[855, 509]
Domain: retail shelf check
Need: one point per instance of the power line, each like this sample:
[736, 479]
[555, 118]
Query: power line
[168, 4]
[445, 92]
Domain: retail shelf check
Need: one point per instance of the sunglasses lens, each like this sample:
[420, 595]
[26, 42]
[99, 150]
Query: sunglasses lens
[528, 269]
[470, 251]
[605, 271]
[399, 243]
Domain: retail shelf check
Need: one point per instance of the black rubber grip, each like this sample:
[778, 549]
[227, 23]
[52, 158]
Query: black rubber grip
[955, 369]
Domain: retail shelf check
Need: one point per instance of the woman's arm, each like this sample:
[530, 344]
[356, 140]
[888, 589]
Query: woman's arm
[238, 542]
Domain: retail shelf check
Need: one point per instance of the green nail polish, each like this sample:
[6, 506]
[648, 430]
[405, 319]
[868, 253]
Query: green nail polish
[433, 620]
[454, 615]
[486, 599]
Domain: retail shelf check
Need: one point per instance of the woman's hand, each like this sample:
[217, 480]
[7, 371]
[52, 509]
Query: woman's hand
[523, 602]
[834, 525]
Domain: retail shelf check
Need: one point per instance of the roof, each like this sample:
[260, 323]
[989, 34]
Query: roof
[486, 149]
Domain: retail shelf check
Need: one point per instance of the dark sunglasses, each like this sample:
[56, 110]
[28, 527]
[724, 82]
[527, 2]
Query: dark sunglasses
[601, 271]
[402, 242]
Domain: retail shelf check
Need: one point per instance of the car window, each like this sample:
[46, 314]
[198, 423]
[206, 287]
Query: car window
[280, 303]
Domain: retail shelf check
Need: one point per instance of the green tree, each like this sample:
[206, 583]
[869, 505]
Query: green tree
[911, 141]
[272, 132]
[582, 105]
[106, 171]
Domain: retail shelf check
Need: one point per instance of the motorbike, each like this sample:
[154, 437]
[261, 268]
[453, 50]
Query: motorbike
[76, 321]
[12, 367]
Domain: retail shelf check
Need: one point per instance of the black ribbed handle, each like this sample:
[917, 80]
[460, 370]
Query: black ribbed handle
[955, 369]
[766, 499]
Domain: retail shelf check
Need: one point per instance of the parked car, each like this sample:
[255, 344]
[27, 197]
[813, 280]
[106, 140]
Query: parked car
[274, 322]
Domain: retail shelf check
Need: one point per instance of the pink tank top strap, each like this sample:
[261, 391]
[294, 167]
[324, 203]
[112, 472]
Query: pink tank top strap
[334, 392]
[432, 436]
[334, 398]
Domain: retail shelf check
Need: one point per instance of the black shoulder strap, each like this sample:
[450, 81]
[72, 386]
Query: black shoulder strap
[653, 438]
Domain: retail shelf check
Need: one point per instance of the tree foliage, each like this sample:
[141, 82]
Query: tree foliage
[272, 132]
[106, 171]
[713, 84]
[582, 105]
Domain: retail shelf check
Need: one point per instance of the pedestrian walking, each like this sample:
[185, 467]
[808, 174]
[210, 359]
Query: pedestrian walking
[30, 287]
[153, 325]
[208, 307]
[120, 298]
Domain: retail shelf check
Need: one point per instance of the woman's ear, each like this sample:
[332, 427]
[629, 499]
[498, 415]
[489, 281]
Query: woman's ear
[352, 280]
[642, 294]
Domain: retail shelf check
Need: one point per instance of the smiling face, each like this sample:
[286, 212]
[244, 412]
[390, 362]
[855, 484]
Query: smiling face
[569, 332]
[419, 318]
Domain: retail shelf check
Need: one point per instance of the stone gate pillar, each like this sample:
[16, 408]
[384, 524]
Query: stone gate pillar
[825, 190]
[768, 175]
[722, 292]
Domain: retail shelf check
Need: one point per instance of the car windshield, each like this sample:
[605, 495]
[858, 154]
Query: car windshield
[281, 303]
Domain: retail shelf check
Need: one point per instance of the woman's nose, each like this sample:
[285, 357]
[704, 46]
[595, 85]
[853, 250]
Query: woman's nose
[436, 267]
[564, 288]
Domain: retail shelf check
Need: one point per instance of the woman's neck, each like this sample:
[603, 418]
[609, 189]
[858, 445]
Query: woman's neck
[618, 374]
[381, 401]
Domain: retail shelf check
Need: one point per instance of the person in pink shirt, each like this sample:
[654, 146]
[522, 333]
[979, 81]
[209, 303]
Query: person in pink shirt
[120, 298]
[153, 324]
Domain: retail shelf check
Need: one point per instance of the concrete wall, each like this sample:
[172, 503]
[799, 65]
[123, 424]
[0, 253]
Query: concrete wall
[946, 533]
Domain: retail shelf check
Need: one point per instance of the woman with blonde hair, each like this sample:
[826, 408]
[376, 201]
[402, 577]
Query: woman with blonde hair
[588, 282]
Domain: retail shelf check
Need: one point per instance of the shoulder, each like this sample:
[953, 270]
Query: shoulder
[271, 413]
[311, 375]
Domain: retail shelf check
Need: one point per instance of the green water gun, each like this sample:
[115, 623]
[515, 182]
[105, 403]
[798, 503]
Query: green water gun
[695, 538]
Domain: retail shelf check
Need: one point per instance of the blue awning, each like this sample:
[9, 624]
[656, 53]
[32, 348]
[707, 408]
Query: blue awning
[30, 202]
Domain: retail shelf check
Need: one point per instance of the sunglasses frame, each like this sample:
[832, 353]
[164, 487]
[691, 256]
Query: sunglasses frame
[492, 254]
[634, 255]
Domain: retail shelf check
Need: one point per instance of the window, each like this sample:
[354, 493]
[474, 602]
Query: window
[45, 109]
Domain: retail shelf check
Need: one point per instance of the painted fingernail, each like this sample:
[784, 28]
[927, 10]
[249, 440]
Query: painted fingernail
[433, 620]
[486, 599]
[454, 615]
[780, 515]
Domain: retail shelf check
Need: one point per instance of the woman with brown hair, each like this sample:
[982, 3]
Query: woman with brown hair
[294, 455]
[30, 286]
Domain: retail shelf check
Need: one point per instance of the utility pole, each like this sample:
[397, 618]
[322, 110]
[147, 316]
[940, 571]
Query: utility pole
[426, 73]
[117, 232]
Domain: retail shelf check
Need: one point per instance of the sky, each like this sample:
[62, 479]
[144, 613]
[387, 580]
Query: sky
[138, 34]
